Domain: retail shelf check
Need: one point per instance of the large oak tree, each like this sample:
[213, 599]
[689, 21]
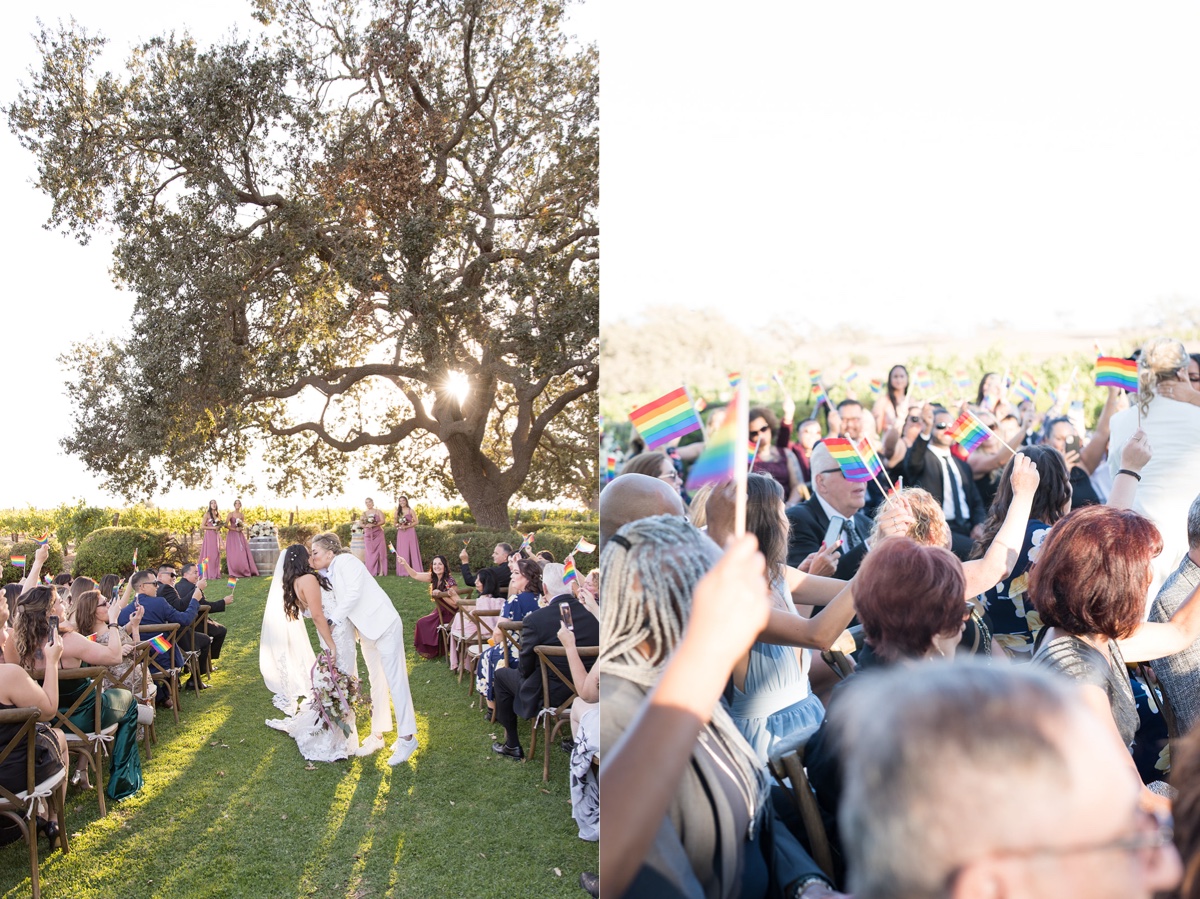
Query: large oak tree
[325, 228]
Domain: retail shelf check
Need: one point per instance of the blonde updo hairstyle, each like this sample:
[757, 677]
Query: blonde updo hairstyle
[929, 526]
[1161, 359]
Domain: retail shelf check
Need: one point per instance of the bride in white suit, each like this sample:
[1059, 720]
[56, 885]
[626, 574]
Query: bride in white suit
[361, 601]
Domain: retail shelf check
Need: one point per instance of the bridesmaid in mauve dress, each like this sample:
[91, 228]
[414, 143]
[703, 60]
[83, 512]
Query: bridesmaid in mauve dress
[374, 542]
[210, 549]
[237, 549]
[406, 539]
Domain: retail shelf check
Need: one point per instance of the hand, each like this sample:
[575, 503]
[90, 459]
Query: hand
[898, 520]
[127, 650]
[202, 583]
[1179, 390]
[463, 557]
[42, 554]
[1025, 476]
[824, 561]
[135, 617]
[229, 600]
[113, 613]
[53, 652]
[844, 643]
[403, 563]
[565, 637]
[977, 532]
[730, 605]
[1072, 459]
[1136, 452]
[927, 418]
[498, 637]
[789, 408]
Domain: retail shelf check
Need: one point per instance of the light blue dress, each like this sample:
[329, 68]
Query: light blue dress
[777, 700]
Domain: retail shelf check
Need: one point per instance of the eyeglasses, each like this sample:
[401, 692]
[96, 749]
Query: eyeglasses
[1155, 830]
[671, 475]
[830, 471]
[914, 419]
[101, 605]
[765, 429]
[942, 425]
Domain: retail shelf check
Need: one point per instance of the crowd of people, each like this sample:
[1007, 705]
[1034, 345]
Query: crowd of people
[989, 659]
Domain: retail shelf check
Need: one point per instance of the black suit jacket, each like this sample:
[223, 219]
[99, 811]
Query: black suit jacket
[809, 522]
[503, 575]
[187, 590]
[540, 628]
[922, 469]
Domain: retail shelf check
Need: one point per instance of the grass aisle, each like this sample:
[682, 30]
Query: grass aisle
[229, 807]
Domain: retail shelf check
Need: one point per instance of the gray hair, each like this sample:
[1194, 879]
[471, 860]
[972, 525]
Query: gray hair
[1194, 524]
[552, 580]
[942, 764]
[331, 542]
[648, 572]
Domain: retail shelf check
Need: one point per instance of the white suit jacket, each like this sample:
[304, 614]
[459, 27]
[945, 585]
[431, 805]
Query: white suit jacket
[359, 597]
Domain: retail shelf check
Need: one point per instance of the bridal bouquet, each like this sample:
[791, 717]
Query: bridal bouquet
[336, 694]
[263, 529]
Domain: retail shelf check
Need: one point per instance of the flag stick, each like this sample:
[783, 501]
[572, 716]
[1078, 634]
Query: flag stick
[757, 447]
[1011, 451]
[743, 438]
[874, 477]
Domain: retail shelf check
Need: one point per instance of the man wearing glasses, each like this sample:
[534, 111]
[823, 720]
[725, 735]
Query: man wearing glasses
[193, 641]
[931, 466]
[971, 781]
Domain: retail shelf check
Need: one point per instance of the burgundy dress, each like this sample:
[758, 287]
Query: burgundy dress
[210, 551]
[425, 635]
[237, 550]
[374, 543]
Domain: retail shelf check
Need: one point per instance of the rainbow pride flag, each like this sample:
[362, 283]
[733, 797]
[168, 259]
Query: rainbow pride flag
[876, 386]
[850, 374]
[584, 547]
[751, 452]
[160, 644]
[16, 561]
[135, 552]
[1114, 372]
[1026, 386]
[814, 375]
[43, 540]
[528, 541]
[819, 395]
[666, 418]
[847, 459]
[47, 580]
[968, 431]
[392, 549]
[923, 379]
[568, 570]
[962, 380]
[701, 404]
[870, 457]
[721, 458]
[610, 468]
[232, 583]
[735, 378]
[762, 385]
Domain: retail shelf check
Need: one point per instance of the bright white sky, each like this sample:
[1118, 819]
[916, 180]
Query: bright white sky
[59, 292]
[870, 162]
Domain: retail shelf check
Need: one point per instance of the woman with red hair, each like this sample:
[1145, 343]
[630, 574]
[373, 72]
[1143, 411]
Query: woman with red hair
[1089, 589]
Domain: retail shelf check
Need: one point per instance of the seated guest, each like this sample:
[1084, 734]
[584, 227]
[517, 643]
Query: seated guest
[1081, 459]
[499, 568]
[24, 647]
[1179, 674]
[463, 629]
[949, 776]
[1089, 587]
[833, 498]
[157, 610]
[770, 459]
[191, 585]
[527, 582]
[931, 465]
[441, 586]
[201, 642]
[687, 807]
[631, 497]
[91, 616]
[518, 691]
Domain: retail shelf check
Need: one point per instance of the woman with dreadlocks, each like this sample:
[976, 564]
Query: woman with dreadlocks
[686, 802]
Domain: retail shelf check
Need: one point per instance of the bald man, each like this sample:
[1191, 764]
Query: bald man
[834, 499]
[632, 497]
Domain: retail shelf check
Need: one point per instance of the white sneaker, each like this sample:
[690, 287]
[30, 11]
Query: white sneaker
[371, 745]
[403, 750]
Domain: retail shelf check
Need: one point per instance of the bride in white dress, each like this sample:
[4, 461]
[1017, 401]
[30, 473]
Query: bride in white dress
[287, 661]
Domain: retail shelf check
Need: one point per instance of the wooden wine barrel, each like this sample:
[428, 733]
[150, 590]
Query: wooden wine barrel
[265, 551]
[358, 546]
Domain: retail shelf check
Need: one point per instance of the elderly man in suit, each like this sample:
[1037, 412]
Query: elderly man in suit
[519, 690]
[834, 499]
[931, 465]
[381, 633]
[1179, 674]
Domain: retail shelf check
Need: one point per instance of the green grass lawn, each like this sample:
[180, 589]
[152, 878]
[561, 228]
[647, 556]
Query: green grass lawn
[230, 808]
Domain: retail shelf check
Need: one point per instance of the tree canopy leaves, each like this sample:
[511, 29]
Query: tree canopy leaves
[323, 225]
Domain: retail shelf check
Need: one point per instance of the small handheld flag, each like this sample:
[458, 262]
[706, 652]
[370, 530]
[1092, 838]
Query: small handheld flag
[924, 379]
[160, 644]
[1114, 372]
[568, 570]
[583, 547]
[135, 552]
[847, 458]
[869, 457]
[962, 380]
[876, 386]
[43, 540]
[392, 549]
[232, 583]
[968, 432]
[466, 542]
[49, 581]
[735, 378]
[666, 418]
[1026, 386]
[16, 561]
[528, 541]
[723, 454]
[819, 396]
[850, 374]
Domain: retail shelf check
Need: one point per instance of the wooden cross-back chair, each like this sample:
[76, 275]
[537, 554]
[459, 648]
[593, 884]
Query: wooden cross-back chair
[89, 743]
[787, 764]
[162, 665]
[137, 673]
[483, 630]
[21, 806]
[552, 718]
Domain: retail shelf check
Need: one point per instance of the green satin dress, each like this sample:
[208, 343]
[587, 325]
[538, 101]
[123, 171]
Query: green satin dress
[117, 706]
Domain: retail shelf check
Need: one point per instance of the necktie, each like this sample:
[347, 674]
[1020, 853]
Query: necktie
[952, 476]
[851, 532]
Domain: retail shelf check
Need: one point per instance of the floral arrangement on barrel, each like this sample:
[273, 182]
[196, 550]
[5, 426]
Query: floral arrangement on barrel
[336, 693]
[264, 529]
